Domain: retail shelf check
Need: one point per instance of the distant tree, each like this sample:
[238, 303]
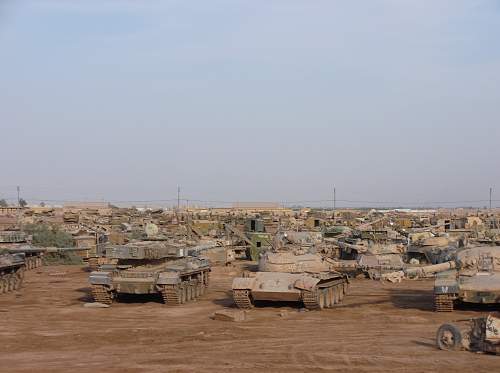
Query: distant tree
[22, 202]
[3, 203]
[42, 204]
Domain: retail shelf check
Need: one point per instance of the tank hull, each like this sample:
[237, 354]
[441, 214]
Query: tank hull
[315, 291]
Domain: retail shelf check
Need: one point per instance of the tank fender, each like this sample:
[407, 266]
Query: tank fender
[306, 283]
[168, 278]
[243, 283]
[100, 278]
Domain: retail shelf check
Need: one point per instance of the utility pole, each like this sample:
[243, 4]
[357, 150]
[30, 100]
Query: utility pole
[178, 197]
[19, 199]
[491, 193]
[334, 201]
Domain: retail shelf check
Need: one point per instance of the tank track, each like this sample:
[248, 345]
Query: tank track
[101, 294]
[11, 281]
[242, 299]
[33, 262]
[443, 302]
[327, 297]
[171, 294]
[93, 264]
[184, 292]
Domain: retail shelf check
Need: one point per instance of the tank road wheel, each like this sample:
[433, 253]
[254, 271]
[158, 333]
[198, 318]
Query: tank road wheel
[342, 289]
[2, 285]
[336, 294]
[171, 295]
[18, 279]
[449, 338]
[443, 303]
[311, 299]
[330, 298]
[102, 294]
[243, 299]
[189, 292]
[10, 282]
[197, 288]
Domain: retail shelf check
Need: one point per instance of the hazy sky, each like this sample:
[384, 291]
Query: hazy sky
[389, 100]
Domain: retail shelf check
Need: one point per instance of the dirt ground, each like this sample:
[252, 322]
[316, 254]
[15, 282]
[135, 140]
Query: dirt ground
[380, 328]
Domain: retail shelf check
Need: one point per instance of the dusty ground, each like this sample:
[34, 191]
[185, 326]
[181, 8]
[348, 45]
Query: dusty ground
[379, 328]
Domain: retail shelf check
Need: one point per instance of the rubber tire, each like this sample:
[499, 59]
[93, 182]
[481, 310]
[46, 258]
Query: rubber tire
[456, 335]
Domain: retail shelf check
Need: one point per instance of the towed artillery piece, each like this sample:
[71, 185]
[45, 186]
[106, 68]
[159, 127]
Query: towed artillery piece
[480, 334]
[293, 275]
[12, 268]
[151, 267]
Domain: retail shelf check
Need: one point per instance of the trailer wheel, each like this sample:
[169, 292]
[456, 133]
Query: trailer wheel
[449, 338]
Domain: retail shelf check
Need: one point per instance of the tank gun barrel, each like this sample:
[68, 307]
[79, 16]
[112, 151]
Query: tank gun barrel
[430, 270]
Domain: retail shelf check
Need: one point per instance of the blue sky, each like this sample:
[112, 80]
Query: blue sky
[250, 100]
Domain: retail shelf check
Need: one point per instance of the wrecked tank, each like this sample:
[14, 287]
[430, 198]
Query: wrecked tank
[473, 278]
[294, 274]
[11, 271]
[151, 267]
[480, 334]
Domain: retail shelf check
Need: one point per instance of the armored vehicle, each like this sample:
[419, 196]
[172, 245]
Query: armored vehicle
[480, 334]
[11, 271]
[433, 249]
[150, 267]
[16, 242]
[474, 277]
[291, 273]
[371, 259]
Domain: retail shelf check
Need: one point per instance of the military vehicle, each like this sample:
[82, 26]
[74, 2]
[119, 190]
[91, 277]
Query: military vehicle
[11, 271]
[291, 272]
[372, 259]
[473, 277]
[151, 267]
[17, 242]
[481, 334]
[432, 249]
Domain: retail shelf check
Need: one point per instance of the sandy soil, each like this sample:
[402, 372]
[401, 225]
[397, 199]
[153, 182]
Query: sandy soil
[379, 328]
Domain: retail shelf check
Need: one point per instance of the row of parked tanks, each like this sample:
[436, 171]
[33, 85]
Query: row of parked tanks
[293, 270]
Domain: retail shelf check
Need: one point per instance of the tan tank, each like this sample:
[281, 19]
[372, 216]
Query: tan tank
[295, 274]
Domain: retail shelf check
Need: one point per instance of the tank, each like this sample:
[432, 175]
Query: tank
[478, 335]
[473, 278]
[374, 260]
[151, 267]
[11, 271]
[433, 249]
[17, 242]
[293, 273]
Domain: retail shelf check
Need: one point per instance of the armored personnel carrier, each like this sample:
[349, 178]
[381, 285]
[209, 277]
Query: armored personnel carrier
[292, 273]
[11, 271]
[474, 277]
[150, 267]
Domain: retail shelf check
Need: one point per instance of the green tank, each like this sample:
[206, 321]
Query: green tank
[151, 267]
